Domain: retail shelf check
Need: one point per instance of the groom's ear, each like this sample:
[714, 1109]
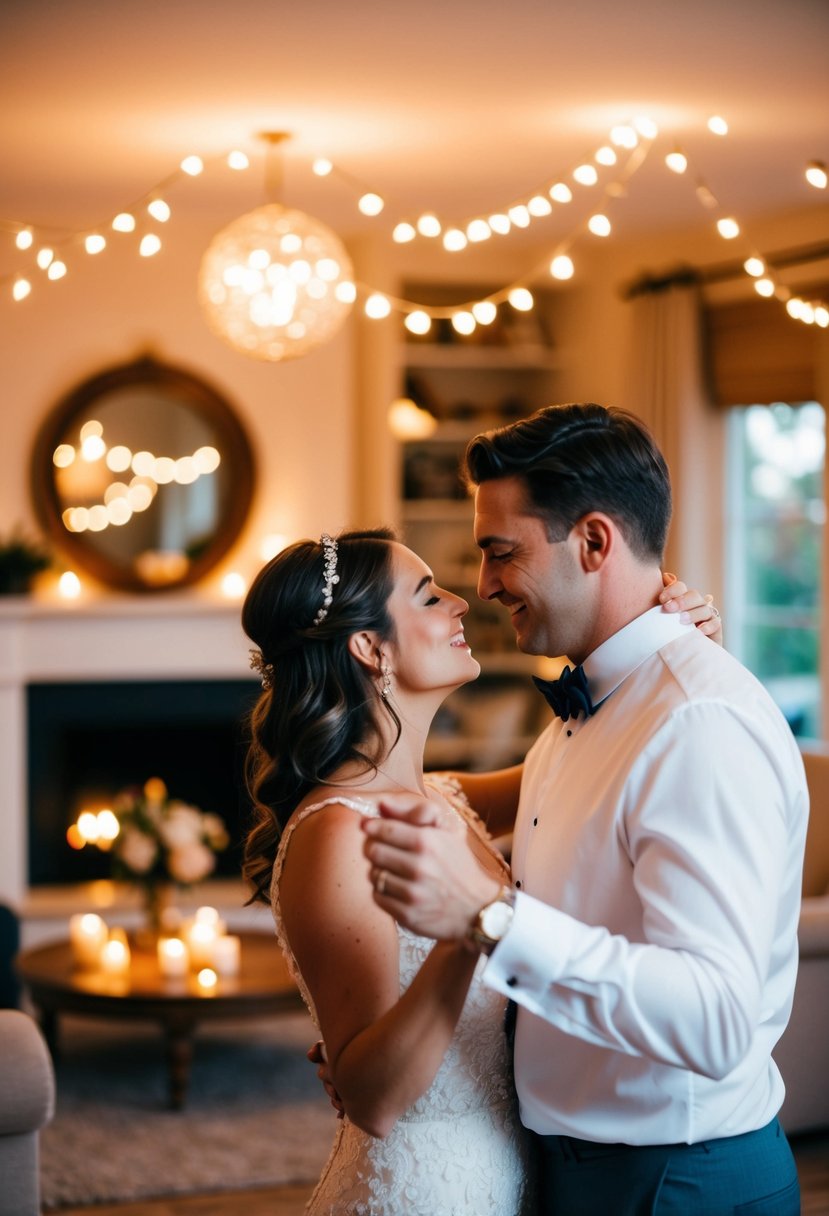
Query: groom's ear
[595, 535]
[363, 646]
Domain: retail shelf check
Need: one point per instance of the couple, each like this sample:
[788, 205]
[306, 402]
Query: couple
[647, 932]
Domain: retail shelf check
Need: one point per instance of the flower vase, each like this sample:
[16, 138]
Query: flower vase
[158, 898]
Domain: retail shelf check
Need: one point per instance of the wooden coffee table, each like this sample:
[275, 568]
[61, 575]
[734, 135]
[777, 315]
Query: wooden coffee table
[263, 986]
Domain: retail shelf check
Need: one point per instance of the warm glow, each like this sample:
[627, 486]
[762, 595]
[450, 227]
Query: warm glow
[192, 165]
[403, 233]
[272, 544]
[676, 161]
[322, 166]
[585, 175]
[562, 267]
[463, 322]
[377, 306]
[115, 957]
[207, 459]
[234, 585]
[717, 125]
[754, 266]
[605, 156]
[346, 292]
[95, 243]
[816, 174]
[119, 458]
[429, 225]
[454, 240]
[822, 316]
[520, 216]
[728, 228]
[624, 136]
[484, 312]
[599, 225]
[538, 206]
[69, 585]
[159, 210]
[207, 979]
[24, 238]
[150, 245]
[56, 270]
[646, 127]
[88, 826]
[408, 421]
[21, 288]
[478, 230]
[237, 160]
[124, 222]
[418, 322]
[44, 257]
[764, 287]
[371, 204]
[521, 299]
[561, 193]
[92, 448]
[500, 223]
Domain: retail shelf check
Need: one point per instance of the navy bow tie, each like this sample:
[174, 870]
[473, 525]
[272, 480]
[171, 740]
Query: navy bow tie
[568, 696]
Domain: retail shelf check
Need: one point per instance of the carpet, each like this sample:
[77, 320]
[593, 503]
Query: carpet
[256, 1114]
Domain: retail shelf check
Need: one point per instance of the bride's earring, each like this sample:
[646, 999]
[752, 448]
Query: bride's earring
[385, 688]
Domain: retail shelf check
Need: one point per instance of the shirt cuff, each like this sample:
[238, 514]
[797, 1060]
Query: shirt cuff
[533, 952]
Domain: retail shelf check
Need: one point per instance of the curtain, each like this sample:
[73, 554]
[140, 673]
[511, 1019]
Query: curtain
[667, 388]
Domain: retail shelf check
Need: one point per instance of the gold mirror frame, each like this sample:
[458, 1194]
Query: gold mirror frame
[201, 409]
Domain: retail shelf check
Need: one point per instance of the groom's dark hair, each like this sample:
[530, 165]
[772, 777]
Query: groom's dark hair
[575, 459]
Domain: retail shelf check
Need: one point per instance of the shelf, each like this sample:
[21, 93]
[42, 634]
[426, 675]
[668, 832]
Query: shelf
[480, 358]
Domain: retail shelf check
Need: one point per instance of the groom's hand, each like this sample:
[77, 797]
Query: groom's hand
[422, 870]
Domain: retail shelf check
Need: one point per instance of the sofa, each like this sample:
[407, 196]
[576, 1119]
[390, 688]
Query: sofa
[27, 1103]
[802, 1054]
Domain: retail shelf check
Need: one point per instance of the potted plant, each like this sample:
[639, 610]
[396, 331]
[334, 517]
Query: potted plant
[20, 560]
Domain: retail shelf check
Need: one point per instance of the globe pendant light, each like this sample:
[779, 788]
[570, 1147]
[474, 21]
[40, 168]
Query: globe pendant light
[276, 282]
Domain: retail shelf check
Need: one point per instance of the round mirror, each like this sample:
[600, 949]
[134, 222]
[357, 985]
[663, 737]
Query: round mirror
[143, 476]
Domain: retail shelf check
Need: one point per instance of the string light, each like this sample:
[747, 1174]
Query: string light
[816, 174]
[455, 237]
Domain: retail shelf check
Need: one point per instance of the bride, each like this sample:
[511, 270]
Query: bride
[357, 649]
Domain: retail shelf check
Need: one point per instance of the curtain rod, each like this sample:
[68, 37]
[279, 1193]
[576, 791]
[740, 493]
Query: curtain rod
[686, 276]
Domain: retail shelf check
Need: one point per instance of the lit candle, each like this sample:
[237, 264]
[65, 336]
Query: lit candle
[207, 979]
[87, 934]
[226, 955]
[201, 939]
[115, 957]
[173, 960]
[210, 916]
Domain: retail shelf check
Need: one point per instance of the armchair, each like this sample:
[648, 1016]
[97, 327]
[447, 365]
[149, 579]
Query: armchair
[27, 1102]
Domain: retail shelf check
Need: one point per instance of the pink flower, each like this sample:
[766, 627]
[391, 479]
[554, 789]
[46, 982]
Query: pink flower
[190, 862]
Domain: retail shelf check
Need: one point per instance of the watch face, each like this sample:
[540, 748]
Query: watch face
[496, 919]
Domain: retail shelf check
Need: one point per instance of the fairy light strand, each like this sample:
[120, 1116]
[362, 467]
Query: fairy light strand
[50, 247]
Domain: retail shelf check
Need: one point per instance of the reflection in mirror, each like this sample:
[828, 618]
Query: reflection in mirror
[144, 476]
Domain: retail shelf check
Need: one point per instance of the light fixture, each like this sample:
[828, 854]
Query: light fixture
[276, 282]
[816, 174]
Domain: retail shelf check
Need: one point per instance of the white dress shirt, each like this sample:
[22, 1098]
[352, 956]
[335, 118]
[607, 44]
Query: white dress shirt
[658, 855]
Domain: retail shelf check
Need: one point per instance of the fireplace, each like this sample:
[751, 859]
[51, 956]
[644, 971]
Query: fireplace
[104, 693]
[87, 741]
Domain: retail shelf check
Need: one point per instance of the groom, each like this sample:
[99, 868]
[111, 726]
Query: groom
[649, 937]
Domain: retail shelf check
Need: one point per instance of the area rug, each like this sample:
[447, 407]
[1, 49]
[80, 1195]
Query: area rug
[256, 1115]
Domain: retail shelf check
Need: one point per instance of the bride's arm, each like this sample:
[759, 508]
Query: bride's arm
[383, 1048]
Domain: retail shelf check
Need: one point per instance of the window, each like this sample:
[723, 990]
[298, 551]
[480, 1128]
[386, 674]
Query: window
[774, 545]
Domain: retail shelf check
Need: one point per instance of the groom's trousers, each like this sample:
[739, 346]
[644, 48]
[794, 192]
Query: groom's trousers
[749, 1175]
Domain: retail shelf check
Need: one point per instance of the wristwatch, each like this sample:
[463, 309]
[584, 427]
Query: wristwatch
[492, 922]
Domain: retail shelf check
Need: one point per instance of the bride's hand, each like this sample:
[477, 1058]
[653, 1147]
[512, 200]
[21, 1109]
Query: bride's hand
[700, 609]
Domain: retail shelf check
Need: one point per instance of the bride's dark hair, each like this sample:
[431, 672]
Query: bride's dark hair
[319, 709]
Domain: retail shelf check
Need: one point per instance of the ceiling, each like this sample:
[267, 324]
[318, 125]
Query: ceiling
[456, 106]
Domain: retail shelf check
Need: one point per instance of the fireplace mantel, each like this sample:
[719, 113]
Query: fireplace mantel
[164, 637]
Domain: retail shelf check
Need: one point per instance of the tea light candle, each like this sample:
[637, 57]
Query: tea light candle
[87, 934]
[201, 940]
[173, 959]
[210, 916]
[227, 955]
[207, 979]
[115, 957]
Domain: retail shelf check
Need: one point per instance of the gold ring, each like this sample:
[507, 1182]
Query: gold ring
[380, 885]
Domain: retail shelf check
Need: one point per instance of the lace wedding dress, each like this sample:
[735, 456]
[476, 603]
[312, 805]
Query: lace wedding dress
[459, 1150]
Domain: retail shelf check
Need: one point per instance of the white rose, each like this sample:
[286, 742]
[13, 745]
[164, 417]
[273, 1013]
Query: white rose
[181, 826]
[137, 850]
[190, 863]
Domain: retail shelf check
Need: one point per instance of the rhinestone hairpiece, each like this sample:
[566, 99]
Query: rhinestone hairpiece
[257, 662]
[329, 552]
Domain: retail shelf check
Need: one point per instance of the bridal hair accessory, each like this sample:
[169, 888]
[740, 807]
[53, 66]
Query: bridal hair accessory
[257, 662]
[329, 553]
